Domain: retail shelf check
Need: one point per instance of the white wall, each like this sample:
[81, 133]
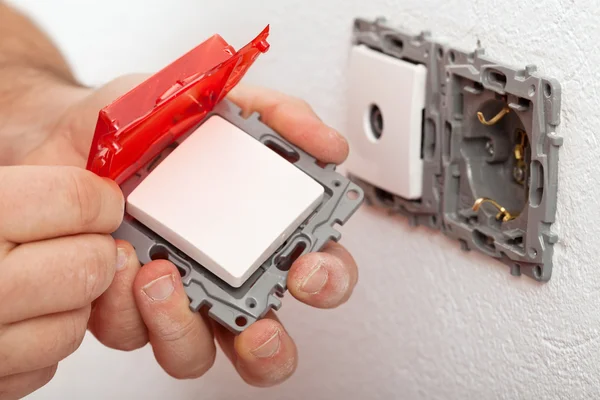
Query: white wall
[427, 320]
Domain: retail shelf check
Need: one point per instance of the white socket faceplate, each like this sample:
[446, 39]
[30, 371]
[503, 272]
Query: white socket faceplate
[225, 199]
[392, 161]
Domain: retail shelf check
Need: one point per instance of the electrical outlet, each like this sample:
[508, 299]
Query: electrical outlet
[387, 101]
[490, 147]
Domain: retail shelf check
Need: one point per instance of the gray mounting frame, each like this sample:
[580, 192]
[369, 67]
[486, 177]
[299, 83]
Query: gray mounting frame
[469, 160]
[237, 308]
[415, 49]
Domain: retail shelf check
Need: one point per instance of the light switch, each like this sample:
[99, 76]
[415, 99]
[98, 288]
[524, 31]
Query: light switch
[385, 121]
[225, 199]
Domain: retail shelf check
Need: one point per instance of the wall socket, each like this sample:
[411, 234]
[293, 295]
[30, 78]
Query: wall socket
[479, 135]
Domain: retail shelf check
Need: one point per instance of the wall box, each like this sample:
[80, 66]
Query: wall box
[488, 148]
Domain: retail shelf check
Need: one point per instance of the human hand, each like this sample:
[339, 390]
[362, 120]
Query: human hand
[149, 304]
[56, 258]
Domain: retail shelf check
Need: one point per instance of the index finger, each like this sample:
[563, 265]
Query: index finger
[40, 203]
[294, 120]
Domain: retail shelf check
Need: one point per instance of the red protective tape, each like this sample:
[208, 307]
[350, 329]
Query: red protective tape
[140, 124]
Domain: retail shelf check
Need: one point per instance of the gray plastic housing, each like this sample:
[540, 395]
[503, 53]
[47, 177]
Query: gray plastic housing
[466, 160]
[237, 308]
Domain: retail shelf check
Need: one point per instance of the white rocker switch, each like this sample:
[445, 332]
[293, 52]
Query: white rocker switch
[225, 200]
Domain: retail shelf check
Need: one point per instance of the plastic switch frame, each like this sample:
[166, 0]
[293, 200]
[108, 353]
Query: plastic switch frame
[237, 308]
[469, 157]
[140, 128]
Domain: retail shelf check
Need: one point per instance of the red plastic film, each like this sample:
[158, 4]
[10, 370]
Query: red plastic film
[140, 124]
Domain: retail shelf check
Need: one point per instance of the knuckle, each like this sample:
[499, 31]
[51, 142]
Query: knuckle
[197, 369]
[99, 260]
[124, 336]
[73, 332]
[123, 342]
[175, 332]
[83, 197]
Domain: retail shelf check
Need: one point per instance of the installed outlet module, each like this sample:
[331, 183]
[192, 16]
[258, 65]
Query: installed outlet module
[393, 89]
[488, 140]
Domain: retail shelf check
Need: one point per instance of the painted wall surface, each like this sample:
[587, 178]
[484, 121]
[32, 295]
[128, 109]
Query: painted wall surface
[427, 321]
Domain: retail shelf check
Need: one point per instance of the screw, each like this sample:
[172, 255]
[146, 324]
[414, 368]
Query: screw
[489, 147]
[518, 174]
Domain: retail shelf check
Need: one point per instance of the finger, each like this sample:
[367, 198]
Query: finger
[41, 342]
[116, 321]
[293, 119]
[17, 386]
[55, 275]
[325, 279]
[182, 341]
[47, 202]
[263, 354]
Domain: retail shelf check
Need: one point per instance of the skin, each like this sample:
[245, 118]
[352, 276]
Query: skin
[56, 224]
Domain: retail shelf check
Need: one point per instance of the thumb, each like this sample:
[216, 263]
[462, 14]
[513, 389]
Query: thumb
[80, 119]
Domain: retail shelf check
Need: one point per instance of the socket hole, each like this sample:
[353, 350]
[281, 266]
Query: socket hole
[440, 53]
[452, 57]
[524, 102]
[537, 183]
[375, 121]
[448, 137]
[384, 196]
[288, 154]
[241, 321]
[531, 90]
[547, 90]
[497, 78]
[518, 241]
[337, 183]
[483, 241]
[251, 302]
[395, 43]
[537, 271]
[427, 138]
[159, 253]
[285, 263]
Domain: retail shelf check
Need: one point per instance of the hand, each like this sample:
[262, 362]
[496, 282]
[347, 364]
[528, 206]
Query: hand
[56, 258]
[149, 304]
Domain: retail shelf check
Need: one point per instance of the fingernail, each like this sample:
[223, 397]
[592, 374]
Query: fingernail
[315, 281]
[160, 288]
[121, 258]
[268, 348]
